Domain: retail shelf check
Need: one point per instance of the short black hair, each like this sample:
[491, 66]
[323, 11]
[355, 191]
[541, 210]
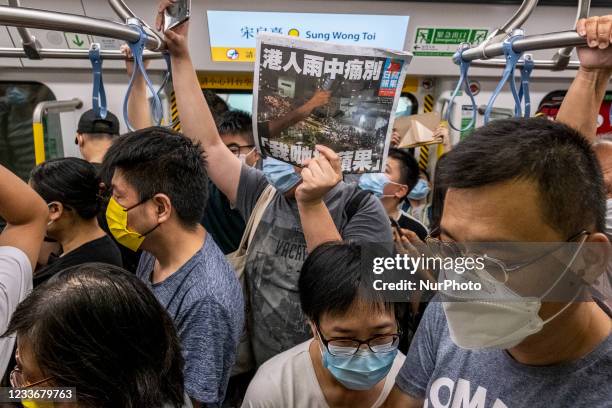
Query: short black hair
[331, 281]
[438, 195]
[556, 157]
[99, 328]
[159, 160]
[71, 181]
[236, 122]
[408, 166]
[216, 105]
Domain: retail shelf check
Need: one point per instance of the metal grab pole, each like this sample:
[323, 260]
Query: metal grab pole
[125, 13]
[121, 9]
[563, 55]
[530, 43]
[538, 64]
[54, 53]
[516, 21]
[41, 110]
[29, 42]
[51, 20]
[519, 18]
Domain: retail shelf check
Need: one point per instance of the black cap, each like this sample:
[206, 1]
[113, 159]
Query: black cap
[89, 123]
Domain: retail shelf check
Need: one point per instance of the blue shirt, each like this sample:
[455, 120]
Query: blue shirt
[204, 299]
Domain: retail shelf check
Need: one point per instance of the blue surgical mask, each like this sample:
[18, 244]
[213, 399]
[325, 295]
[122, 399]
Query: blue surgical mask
[362, 370]
[419, 191]
[280, 174]
[16, 96]
[375, 183]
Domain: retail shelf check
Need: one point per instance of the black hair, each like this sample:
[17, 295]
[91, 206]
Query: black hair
[70, 181]
[557, 158]
[159, 160]
[331, 281]
[409, 167]
[438, 195]
[236, 122]
[216, 105]
[98, 328]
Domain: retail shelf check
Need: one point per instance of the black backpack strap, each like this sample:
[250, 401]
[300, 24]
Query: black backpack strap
[357, 200]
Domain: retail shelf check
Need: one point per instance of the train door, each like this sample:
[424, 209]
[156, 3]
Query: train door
[18, 101]
[551, 104]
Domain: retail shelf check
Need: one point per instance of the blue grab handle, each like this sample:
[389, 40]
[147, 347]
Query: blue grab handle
[137, 49]
[99, 104]
[464, 81]
[512, 58]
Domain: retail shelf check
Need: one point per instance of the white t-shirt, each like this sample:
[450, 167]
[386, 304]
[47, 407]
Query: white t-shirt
[15, 285]
[289, 380]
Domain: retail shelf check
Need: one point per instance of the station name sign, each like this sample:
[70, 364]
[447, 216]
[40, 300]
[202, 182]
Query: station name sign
[232, 33]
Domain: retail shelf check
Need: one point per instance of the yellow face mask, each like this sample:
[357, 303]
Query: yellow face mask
[116, 217]
[37, 404]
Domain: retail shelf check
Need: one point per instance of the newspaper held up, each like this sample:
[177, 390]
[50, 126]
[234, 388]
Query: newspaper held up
[309, 92]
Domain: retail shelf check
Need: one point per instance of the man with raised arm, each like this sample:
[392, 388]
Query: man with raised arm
[525, 350]
[582, 102]
[26, 215]
[310, 206]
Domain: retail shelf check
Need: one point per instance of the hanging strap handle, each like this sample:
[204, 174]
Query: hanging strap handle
[137, 49]
[526, 71]
[512, 59]
[464, 81]
[98, 101]
[167, 80]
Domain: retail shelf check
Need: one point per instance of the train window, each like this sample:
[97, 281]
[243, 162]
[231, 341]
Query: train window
[17, 103]
[237, 100]
[407, 105]
[552, 102]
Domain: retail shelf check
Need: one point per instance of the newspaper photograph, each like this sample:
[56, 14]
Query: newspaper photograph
[309, 92]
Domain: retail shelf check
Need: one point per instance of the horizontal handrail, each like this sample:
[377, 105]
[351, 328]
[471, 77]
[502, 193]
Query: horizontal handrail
[62, 53]
[52, 20]
[538, 64]
[530, 43]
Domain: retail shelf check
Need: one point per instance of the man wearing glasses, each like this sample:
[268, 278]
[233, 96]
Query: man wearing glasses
[352, 359]
[536, 338]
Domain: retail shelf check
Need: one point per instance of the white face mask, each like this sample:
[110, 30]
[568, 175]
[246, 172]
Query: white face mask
[242, 157]
[502, 324]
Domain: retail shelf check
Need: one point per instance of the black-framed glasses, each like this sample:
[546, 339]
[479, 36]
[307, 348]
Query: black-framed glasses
[496, 268]
[382, 343]
[235, 149]
[17, 379]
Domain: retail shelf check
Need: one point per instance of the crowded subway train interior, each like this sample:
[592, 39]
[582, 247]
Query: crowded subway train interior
[307, 203]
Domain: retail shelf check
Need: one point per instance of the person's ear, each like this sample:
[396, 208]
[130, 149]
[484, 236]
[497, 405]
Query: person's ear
[56, 209]
[163, 207]
[313, 329]
[595, 258]
[79, 140]
[402, 192]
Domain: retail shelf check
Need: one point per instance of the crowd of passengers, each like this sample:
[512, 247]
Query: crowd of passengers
[170, 269]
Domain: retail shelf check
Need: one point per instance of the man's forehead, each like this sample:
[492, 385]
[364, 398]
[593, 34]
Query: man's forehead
[119, 184]
[507, 211]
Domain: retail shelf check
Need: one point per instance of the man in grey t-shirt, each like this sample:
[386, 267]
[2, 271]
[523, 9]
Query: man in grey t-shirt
[308, 209]
[279, 249]
[444, 375]
[159, 193]
[534, 181]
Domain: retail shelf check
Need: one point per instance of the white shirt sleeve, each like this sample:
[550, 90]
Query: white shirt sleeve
[15, 285]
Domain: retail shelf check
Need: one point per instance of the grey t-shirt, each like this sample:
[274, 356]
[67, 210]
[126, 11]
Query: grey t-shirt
[278, 251]
[447, 376]
[204, 299]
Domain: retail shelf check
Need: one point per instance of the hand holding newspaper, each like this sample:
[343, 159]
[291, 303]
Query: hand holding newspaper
[343, 97]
